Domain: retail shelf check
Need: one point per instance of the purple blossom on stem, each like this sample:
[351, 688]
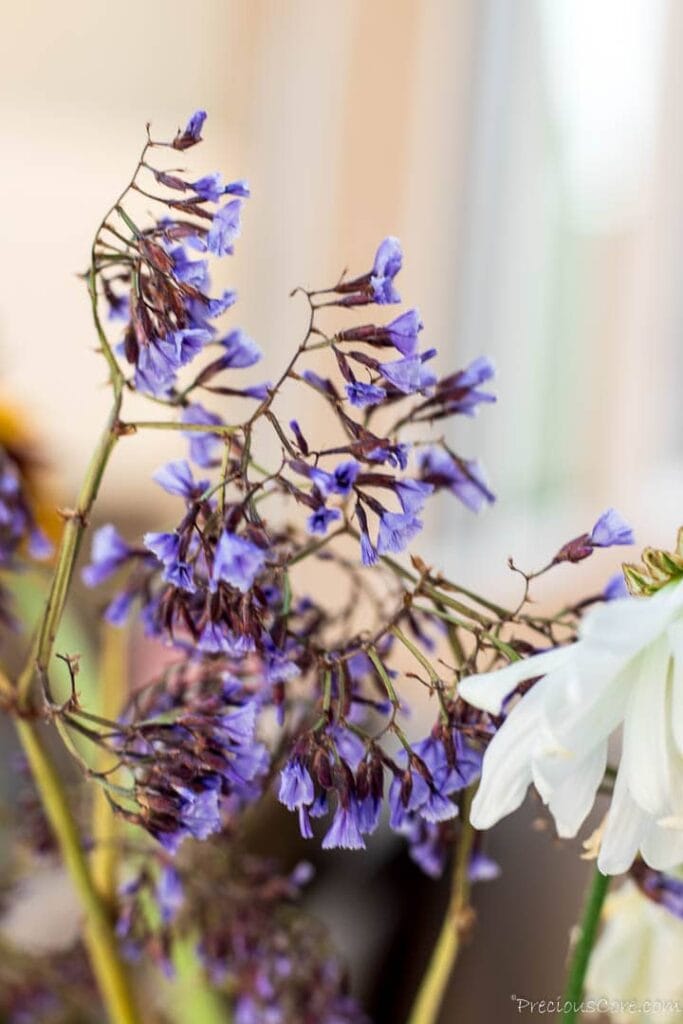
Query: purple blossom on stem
[225, 229]
[611, 530]
[320, 520]
[344, 832]
[363, 395]
[237, 561]
[109, 553]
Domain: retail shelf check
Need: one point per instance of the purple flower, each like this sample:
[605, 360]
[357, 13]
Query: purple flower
[483, 868]
[195, 272]
[203, 447]
[339, 481]
[463, 477]
[241, 351]
[169, 893]
[388, 262]
[215, 307]
[296, 785]
[667, 890]
[615, 588]
[611, 530]
[109, 552]
[225, 229]
[117, 611]
[363, 395]
[163, 545]
[412, 494]
[403, 331]
[344, 833]
[210, 187]
[39, 546]
[176, 478]
[237, 561]
[201, 815]
[192, 133]
[408, 375]
[238, 188]
[396, 530]
[319, 521]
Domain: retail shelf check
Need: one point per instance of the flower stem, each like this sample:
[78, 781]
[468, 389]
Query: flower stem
[588, 930]
[41, 649]
[113, 689]
[430, 995]
[98, 933]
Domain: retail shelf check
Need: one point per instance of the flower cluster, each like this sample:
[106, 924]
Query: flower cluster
[191, 751]
[278, 964]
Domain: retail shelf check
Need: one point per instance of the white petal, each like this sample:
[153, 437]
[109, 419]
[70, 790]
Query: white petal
[624, 627]
[676, 641]
[662, 848]
[588, 703]
[645, 755]
[506, 770]
[488, 690]
[624, 830]
[568, 786]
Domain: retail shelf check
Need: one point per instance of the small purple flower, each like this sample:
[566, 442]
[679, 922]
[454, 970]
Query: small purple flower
[483, 868]
[203, 447]
[339, 481]
[388, 262]
[39, 546]
[615, 588]
[238, 188]
[210, 187]
[320, 520]
[237, 561]
[170, 894]
[192, 133]
[611, 530]
[117, 611]
[463, 477]
[408, 375]
[363, 395]
[296, 785]
[412, 494]
[176, 478]
[163, 546]
[396, 530]
[403, 331]
[201, 815]
[241, 351]
[344, 833]
[109, 552]
[225, 229]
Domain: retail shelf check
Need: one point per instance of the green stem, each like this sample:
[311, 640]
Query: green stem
[41, 650]
[113, 689]
[433, 986]
[588, 930]
[98, 933]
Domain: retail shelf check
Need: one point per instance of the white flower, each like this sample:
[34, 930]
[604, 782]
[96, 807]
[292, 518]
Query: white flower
[626, 667]
[638, 958]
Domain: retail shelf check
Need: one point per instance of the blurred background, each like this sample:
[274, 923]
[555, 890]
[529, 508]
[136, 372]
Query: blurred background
[528, 154]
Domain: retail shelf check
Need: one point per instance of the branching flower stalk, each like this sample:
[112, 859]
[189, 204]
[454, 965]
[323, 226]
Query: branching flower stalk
[184, 758]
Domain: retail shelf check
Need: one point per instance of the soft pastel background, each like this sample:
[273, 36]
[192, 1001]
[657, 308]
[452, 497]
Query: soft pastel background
[529, 155]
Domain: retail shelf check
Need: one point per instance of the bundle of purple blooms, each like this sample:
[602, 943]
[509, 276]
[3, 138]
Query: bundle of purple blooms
[271, 687]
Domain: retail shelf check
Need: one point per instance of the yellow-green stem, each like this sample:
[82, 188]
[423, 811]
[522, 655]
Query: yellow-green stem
[112, 693]
[433, 986]
[41, 649]
[98, 932]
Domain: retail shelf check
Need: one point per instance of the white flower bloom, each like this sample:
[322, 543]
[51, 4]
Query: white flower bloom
[638, 959]
[626, 667]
